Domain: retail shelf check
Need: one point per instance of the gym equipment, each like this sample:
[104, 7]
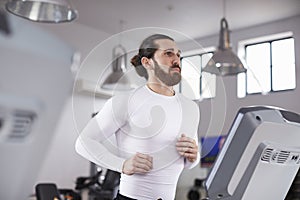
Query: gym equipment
[260, 156]
[294, 192]
[97, 189]
[49, 191]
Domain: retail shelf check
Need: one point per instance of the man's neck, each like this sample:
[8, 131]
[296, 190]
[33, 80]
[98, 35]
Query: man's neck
[161, 88]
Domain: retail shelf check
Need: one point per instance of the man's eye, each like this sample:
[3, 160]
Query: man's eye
[169, 53]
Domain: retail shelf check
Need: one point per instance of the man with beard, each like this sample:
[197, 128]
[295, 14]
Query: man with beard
[154, 127]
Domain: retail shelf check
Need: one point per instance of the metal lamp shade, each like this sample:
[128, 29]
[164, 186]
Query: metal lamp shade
[224, 62]
[118, 80]
[48, 11]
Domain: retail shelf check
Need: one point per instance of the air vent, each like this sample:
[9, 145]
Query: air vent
[283, 156]
[21, 125]
[267, 154]
[275, 156]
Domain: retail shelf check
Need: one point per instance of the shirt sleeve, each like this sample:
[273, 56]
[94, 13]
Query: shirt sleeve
[188, 164]
[94, 142]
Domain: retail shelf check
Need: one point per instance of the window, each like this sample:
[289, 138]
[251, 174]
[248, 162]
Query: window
[271, 67]
[196, 84]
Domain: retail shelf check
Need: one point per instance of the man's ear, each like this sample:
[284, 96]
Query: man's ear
[147, 63]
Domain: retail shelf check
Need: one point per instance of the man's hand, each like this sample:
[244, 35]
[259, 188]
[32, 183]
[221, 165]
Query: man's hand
[187, 147]
[139, 163]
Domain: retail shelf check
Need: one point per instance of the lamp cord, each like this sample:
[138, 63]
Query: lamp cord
[121, 30]
[224, 8]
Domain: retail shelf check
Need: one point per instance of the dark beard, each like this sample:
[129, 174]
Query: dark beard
[167, 78]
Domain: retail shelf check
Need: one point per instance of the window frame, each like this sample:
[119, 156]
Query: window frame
[264, 40]
[200, 54]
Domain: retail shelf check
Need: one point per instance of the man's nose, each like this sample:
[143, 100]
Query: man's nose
[176, 60]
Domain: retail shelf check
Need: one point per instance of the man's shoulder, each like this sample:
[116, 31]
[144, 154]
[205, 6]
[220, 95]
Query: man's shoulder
[189, 107]
[123, 98]
[187, 102]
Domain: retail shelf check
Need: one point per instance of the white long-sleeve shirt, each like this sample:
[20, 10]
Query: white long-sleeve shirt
[146, 122]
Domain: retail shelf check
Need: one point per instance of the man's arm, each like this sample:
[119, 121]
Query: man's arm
[187, 144]
[93, 142]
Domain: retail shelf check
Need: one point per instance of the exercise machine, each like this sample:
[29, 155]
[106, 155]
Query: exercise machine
[260, 157]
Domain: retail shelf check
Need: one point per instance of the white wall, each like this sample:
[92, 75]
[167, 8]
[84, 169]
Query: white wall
[288, 100]
[217, 115]
[62, 165]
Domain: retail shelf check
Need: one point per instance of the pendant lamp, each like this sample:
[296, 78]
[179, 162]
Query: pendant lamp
[48, 11]
[224, 61]
[118, 80]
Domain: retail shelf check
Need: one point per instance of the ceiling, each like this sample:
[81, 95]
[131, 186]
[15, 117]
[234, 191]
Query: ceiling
[194, 18]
